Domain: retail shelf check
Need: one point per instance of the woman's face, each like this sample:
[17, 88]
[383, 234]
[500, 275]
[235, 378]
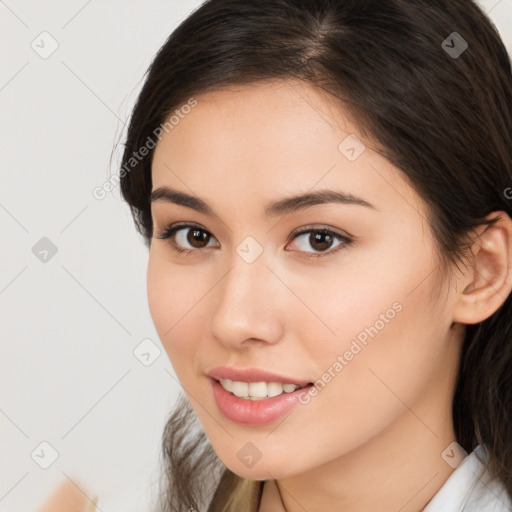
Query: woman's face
[355, 308]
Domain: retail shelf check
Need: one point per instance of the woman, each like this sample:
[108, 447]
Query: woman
[325, 191]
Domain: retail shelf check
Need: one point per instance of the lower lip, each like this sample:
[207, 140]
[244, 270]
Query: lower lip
[255, 412]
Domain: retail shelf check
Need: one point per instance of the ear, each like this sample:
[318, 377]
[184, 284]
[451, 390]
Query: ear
[488, 281]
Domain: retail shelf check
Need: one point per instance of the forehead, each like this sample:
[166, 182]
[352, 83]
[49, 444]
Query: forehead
[281, 116]
[270, 139]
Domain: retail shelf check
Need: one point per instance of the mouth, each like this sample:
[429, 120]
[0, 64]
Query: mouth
[259, 390]
[256, 403]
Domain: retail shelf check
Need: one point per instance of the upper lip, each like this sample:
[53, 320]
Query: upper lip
[253, 375]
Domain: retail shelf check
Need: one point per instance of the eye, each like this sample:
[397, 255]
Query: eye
[321, 240]
[190, 238]
[186, 237]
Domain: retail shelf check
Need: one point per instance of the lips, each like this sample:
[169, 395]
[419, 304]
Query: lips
[254, 412]
[283, 394]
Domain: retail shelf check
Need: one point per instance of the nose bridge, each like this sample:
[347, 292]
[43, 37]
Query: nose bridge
[244, 306]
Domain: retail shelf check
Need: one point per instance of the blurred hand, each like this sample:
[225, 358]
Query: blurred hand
[69, 498]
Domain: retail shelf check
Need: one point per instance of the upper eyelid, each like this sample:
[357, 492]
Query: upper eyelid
[177, 226]
[298, 231]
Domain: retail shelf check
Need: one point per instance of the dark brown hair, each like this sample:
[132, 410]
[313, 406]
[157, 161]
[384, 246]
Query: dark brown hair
[443, 118]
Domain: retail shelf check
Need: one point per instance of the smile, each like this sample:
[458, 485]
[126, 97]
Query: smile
[257, 390]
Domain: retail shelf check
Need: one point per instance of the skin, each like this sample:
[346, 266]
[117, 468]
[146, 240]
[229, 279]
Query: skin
[68, 497]
[372, 439]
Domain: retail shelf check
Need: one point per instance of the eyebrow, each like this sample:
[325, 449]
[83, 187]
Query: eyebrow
[273, 209]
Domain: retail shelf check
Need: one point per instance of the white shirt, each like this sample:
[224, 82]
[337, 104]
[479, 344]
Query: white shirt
[469, 489]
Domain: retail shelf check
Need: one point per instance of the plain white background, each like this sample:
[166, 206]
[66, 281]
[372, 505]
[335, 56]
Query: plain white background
[72, 319]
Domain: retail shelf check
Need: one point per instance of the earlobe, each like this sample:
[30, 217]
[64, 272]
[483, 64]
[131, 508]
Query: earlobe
[488, 280]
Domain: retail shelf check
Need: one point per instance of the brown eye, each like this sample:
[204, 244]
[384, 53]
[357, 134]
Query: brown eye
[187, 237]
[197, 237]
[321, 241]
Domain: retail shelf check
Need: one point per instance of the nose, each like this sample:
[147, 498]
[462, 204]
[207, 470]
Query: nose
[248, 305]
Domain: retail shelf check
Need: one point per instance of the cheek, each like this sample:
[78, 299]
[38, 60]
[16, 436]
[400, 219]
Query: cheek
[368, 294]
[177, 298]
[382, 340]
[168, 305]
[392, 347]
[159, 292]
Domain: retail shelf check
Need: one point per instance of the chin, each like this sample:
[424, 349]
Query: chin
[257, 472]
[263, 469]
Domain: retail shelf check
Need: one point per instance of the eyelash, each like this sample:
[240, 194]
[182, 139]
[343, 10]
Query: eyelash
[169, 232]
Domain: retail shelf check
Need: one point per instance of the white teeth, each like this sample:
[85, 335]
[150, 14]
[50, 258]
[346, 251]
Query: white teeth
[227, 384]
[240, 389]
[274, 389]
[256, 390]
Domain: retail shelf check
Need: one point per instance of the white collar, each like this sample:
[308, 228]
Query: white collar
[470, 489]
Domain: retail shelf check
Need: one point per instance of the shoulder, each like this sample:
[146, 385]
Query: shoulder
[69, 498]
